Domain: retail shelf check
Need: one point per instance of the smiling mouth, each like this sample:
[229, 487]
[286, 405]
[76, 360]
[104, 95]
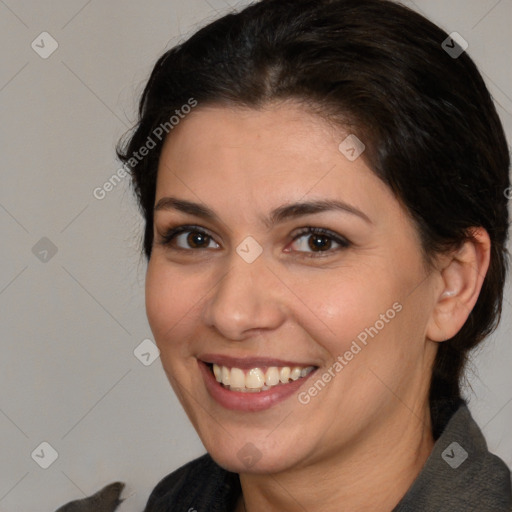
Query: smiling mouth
[255, 380]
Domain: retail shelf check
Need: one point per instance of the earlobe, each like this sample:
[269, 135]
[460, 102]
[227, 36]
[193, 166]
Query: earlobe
[461, 281]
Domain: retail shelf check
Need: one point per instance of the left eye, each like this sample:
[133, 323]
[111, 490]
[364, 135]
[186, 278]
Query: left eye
[319, 240]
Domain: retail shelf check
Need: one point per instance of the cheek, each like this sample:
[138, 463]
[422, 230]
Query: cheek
[344, 306]
[169, 300]
[158, 300]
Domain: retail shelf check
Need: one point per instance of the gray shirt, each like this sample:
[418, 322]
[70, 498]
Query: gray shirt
[460, 475]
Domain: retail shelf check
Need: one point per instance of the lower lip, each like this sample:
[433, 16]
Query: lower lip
[256, 401]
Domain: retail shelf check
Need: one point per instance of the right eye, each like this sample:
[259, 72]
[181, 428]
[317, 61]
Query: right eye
[191, 236]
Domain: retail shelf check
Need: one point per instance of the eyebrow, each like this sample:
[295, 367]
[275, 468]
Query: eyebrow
[280, 214]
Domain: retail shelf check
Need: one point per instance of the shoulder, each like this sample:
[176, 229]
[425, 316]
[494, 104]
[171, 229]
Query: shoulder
[460, 473]
[201, 484]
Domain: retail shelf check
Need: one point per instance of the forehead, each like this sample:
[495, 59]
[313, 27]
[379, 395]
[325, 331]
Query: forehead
[275, 140]
[278, 154]
[277, 129]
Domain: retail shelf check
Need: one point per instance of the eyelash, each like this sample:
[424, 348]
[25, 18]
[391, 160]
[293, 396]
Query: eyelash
[171, 234]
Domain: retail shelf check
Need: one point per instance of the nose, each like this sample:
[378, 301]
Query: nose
[249, 297]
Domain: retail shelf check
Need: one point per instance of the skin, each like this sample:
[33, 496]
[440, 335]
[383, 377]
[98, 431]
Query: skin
[360, 443]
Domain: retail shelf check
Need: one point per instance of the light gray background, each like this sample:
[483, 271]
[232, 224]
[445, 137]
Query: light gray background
[70, 325]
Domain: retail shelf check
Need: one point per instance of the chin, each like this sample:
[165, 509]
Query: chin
[252, 461]
[258, 453]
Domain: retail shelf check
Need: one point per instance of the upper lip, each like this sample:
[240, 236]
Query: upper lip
[248, 362]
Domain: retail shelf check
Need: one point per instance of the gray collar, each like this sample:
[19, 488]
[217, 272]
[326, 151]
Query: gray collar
[460, 475]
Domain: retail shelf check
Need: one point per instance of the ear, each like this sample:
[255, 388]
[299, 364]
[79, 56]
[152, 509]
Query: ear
[462, 276]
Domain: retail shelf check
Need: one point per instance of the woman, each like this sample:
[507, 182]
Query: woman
[324, 189]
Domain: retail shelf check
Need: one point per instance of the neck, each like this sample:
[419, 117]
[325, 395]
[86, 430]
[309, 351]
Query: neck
[371, 476]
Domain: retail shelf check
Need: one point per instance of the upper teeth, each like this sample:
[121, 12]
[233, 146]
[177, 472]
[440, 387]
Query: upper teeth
[256, 379]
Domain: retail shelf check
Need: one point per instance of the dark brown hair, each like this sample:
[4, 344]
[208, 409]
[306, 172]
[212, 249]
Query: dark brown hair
[430, 127]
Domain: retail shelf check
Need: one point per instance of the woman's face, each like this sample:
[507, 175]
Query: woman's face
[254, 292]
